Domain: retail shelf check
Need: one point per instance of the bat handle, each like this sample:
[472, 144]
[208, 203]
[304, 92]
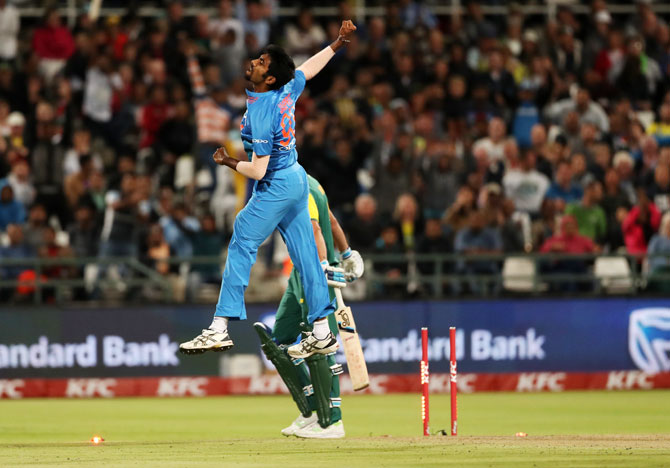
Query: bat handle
[338, 296]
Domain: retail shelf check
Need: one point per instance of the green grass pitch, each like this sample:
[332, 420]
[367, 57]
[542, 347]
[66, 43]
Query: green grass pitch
[584, 429]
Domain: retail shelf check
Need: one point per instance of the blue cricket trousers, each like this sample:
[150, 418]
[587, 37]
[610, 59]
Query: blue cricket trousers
[279, 201]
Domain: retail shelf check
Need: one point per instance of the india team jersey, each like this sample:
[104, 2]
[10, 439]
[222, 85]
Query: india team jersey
[268, 125]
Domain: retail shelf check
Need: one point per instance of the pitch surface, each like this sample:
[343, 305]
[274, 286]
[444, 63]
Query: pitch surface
[580, 429]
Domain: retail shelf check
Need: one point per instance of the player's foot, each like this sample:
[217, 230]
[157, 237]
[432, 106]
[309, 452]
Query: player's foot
[334, 431]
[312, 345]
[208, 340]
[300, 422]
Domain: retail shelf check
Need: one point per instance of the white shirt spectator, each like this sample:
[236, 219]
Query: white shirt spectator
[526, 189]
[495, 151]
[98, 93]
[9, 29]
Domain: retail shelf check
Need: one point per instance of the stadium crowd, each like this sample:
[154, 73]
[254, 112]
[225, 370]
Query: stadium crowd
[430, 134]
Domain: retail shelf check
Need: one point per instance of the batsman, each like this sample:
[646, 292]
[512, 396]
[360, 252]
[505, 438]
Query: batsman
[312, 380]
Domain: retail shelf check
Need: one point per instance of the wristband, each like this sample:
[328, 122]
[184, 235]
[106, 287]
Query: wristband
[324, 264]
[346, 254]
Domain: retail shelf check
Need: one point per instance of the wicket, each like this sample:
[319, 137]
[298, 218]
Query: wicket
[425, 382]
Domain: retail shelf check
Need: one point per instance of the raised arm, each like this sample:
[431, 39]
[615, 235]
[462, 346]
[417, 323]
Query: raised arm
[315, 63]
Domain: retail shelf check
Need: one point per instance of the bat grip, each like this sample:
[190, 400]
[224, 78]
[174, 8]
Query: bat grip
[338, 297]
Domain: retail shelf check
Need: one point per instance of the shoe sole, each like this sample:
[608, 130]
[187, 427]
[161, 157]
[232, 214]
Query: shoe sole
[338, 436]
[194, 351]
[328, 350]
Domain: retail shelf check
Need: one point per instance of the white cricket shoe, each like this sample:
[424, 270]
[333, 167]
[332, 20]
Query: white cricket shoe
[311, 345]
[334, 431]
[208, 340]
[300, 422]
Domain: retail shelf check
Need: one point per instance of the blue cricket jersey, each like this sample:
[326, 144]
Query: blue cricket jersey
[268, 125]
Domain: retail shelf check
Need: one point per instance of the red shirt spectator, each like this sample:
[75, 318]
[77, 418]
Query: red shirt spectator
[153, 115]
[641, 222]
[53, 41]
[569, 240]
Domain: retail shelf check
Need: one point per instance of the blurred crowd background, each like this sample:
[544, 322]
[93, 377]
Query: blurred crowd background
[431, 133]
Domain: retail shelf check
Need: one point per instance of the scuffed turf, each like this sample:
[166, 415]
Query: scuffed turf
[564, 429]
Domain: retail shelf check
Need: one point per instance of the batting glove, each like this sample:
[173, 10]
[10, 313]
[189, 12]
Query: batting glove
[334, 276]
[353, 265]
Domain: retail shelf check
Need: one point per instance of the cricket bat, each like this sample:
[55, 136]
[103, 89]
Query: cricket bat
[358, 370]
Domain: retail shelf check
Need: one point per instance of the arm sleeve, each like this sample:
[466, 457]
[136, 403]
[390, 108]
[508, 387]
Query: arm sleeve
[316, 62]
[260, 116]
[313, 210]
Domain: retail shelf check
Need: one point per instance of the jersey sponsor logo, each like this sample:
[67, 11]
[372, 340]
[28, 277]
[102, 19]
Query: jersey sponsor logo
[258, 140]
[649, 338]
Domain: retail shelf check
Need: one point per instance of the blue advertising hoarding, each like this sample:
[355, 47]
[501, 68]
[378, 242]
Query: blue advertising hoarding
[578, 335]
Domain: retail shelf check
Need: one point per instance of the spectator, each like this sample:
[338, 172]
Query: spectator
[84, 232]
[255, 24]
[659, 253]
[563, 188]
[304, 38]
[476, 239]
[120, 230]
[51, 249]
[99, 89]
[19, 179]
[153, 114]
[615, 203]
[364, 228]
[11, 211]
[179, 229]
[10, 24]
[494, 143]
[568, 241]
[525, 186]
[76, 184]
[623, 165]
[434, 241]
[158, 250]
[457, 215]
[81, 146]
[33, 229]
[527, 114]
[212, 121]
[587, 110]
[590, 217]
[641, 223]
[660, 129]
[658, 191]
[389, 243]
[207, 242]
[53, 44]
[408, 219]
[17, 249]
[581, 177]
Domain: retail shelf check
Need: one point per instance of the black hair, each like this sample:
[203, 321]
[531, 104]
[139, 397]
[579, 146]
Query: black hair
[281, 65]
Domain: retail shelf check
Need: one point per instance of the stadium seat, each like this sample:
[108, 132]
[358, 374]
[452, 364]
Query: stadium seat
[519, 274]
[613, 274]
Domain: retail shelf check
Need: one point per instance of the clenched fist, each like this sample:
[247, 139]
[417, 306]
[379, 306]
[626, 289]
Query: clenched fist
[346, 29]
[220, 156]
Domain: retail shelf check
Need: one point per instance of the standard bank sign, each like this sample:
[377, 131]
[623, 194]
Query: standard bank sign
[649, 339]
[109, 351]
